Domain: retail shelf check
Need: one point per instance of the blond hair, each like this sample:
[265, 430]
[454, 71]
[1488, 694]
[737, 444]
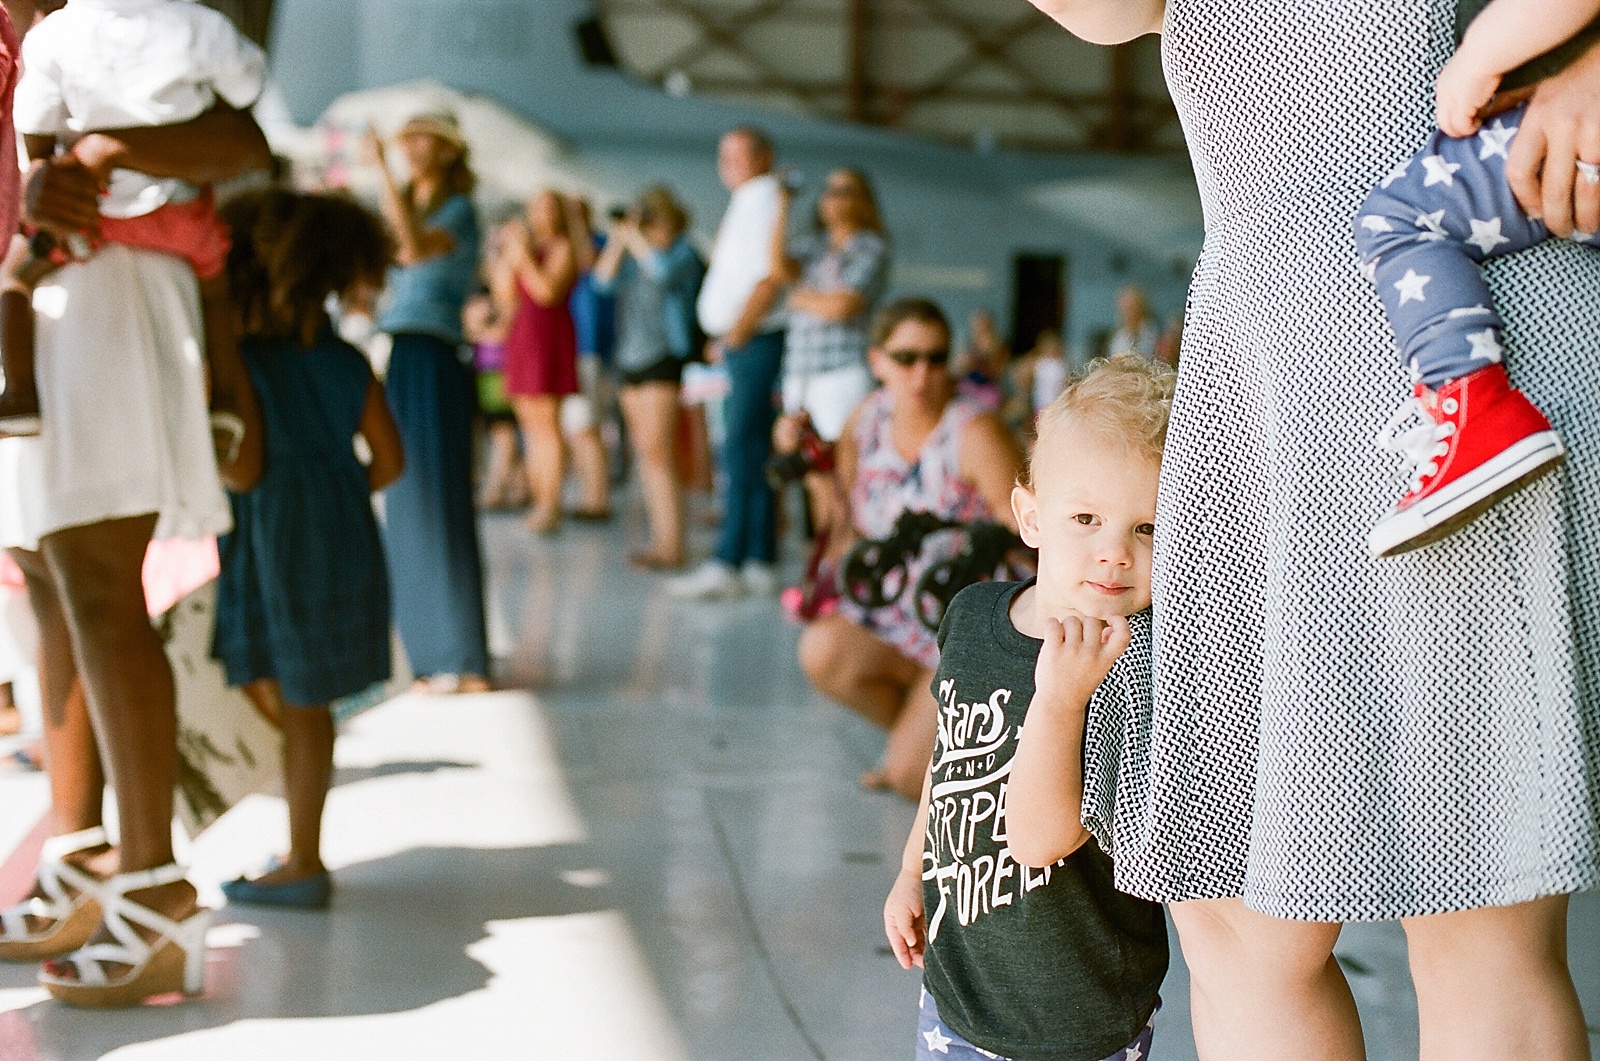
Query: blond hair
[1124, 399]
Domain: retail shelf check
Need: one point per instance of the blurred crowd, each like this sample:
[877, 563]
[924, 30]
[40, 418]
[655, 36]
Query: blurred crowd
[193, 350]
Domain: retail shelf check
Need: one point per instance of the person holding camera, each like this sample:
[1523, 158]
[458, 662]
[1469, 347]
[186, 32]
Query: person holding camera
[654, 273]
[738, 307]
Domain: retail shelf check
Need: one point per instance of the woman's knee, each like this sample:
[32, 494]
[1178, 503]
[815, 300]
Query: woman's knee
[98, 589]
[1525, 940]
[819, 647]
[828, 659]
[1224, 939]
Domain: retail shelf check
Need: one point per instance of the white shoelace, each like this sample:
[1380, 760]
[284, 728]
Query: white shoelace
[1418, 446]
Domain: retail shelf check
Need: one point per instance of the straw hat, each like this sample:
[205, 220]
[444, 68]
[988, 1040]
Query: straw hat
[439, 123]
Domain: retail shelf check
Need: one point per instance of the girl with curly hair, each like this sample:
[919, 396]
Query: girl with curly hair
[303, 599]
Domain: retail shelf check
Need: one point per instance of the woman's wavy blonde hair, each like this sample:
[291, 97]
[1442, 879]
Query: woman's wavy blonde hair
[1126, 399]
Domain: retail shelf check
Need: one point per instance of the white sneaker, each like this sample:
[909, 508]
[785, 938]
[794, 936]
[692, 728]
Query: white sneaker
[712, 580]
[759, 579]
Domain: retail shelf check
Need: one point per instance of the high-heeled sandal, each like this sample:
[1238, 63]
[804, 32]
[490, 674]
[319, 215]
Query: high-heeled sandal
[71, 903]
[175, 961]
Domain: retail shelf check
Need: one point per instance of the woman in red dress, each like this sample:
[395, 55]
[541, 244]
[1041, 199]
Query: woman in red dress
[541, 363]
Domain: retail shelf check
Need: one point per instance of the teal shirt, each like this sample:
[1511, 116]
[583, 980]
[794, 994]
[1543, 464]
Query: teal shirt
[427, 298]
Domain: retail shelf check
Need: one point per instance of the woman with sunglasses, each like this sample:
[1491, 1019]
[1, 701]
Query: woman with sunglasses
[914, 446]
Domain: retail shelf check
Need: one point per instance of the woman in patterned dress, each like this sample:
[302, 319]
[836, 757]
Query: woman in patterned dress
[1337, 738]
[916, 446]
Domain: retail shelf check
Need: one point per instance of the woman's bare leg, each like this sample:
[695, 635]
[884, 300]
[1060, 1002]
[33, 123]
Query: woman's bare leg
[1264, 989]
[871, 678]
[500, 485]
[594, 469]
[546, 457]
[129, 685]
[651, 410]
[1494, 984]
[860, 671]
[911, 740]
[308, 734]
[77, 781]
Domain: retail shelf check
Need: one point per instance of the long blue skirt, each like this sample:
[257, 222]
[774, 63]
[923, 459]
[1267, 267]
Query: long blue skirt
[430, 528]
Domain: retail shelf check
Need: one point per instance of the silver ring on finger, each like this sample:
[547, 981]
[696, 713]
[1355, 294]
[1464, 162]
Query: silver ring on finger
[1589, 171]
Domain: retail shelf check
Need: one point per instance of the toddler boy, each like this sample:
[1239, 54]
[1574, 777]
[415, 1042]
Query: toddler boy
[1028, 950]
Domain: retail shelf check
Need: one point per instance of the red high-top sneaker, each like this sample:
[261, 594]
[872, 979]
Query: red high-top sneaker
[1480, 440]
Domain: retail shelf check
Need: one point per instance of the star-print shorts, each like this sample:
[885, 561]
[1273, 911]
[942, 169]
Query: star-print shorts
[937, 1042]
[1422, 234]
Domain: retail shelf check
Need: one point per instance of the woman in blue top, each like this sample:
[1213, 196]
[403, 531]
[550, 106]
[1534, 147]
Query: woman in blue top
[656, 275]
[430, 528]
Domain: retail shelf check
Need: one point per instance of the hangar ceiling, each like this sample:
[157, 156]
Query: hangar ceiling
[988, 73]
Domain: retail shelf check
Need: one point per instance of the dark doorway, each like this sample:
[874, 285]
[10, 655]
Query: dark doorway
[1039, 304]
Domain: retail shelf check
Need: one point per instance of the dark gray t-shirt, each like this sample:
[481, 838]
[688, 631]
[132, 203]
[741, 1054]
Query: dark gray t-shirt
[1051, 964]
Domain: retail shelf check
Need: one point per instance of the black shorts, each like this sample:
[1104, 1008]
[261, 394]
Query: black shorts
[668, 370]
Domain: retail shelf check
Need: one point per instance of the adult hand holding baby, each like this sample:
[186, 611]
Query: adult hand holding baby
[1560, 130]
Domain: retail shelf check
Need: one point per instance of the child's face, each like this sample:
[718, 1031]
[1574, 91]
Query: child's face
[1091, 515]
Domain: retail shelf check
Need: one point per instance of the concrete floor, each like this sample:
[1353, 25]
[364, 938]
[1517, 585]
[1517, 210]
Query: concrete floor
[658, 852]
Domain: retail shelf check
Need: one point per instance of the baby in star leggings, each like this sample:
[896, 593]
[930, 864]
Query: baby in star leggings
[1422, 234]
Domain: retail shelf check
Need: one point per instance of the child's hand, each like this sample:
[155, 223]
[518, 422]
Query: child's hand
[1078, 653]
[902, 919]
[23, 269]
[1460, 95]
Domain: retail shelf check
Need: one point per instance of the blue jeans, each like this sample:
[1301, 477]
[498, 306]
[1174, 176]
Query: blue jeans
[1422, 234]
[936, 1041]
[750, 525]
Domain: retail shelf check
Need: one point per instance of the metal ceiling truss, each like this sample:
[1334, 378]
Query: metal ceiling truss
[889, 91]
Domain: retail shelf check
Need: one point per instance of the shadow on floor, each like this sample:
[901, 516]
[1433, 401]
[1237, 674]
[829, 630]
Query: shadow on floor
[396, 940]
[351, 775]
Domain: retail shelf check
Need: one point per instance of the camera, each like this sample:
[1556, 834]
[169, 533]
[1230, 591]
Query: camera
[812, 455]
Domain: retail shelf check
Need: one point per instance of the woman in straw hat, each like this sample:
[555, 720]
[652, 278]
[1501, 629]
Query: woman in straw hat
[430, 529]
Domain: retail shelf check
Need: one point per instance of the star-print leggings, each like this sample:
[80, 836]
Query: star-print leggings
[937, 1042]
[1422, 233]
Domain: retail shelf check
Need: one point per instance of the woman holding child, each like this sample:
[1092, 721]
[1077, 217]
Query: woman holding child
[1337, 737]
[915, 445]
[128, 457]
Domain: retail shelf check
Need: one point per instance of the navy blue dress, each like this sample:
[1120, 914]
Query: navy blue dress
[430, 523]
[304, 593]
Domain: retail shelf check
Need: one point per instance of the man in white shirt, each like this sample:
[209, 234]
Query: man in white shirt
[739, 310]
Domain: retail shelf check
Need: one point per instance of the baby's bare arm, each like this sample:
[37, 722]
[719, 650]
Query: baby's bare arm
[1508, 33]
[1106, 21]
[1505, 35]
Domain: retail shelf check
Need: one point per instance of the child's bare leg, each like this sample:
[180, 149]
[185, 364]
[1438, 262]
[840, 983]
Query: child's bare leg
[501, 479]
[241, 458]
[308, 734]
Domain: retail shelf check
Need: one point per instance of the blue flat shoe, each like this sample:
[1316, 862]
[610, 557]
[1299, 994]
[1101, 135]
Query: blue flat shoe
[310, 893]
